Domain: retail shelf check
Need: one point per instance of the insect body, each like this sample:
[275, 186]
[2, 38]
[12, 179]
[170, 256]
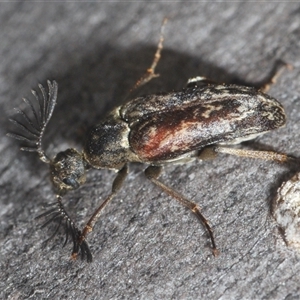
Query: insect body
[156, 130]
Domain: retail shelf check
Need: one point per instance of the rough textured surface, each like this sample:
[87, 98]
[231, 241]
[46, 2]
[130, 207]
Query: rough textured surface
[146, 246]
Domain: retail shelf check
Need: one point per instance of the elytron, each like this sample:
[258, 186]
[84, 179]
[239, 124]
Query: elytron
[198, 122]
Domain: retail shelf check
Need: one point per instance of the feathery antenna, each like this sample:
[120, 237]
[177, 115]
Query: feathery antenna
[33, 127]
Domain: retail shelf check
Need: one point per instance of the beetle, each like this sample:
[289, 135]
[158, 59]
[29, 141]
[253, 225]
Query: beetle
[197, 122]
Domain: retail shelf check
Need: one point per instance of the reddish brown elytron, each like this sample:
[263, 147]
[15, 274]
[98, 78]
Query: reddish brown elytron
[199, 116]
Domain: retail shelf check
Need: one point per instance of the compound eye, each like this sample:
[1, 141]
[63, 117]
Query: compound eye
[71, 182]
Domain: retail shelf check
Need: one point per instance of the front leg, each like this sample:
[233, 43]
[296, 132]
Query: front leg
[117, 184]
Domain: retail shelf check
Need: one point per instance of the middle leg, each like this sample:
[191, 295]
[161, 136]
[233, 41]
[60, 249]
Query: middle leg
[152, 173]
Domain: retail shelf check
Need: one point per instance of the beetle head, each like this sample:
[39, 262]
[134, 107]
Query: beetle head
[68, 170]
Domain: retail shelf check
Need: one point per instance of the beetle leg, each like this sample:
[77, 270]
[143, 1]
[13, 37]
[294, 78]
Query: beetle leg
[266, 155]
[117, 184]
[150, 73]
[152, 173]
[277, 71]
